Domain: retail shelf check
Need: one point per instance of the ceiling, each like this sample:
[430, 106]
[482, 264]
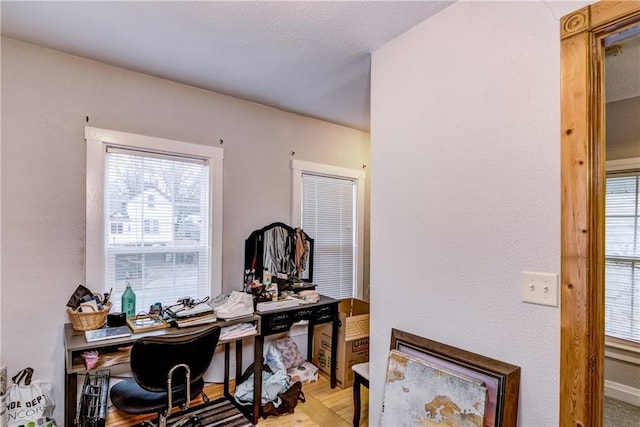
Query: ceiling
[306, 57]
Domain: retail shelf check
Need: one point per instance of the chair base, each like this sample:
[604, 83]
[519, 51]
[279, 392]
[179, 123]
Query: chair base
[190, 420]
[219, 412]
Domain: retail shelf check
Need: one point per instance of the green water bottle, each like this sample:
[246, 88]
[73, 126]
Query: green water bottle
[129, 302]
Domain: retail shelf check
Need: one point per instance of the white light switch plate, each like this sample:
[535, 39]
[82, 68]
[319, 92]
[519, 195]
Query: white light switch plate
[540, 288]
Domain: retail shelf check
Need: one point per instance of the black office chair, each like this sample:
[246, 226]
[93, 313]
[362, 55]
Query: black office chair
[167, 372]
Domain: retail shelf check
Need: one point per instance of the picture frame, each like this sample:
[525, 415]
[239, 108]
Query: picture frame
[501, 379]
[146, 322]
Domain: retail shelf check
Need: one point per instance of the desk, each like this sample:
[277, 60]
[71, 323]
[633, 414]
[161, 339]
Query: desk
[281, 320]
[268, 323]
[75, 344]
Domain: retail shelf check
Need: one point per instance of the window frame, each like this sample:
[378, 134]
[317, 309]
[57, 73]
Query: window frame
[617, 348]
[298, 167]
[97, 142]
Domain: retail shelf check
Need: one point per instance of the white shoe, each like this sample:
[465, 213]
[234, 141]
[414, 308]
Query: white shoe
[239, 304]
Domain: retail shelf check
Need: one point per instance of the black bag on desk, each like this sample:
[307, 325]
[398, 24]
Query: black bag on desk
[93, 403]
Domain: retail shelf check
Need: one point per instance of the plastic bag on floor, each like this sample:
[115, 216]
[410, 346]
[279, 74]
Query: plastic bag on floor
[273, 383]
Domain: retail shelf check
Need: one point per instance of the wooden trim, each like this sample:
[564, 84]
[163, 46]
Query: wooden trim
[606, 13]
[575, 23]
[597, 15]
[582, 213]
[574, 296]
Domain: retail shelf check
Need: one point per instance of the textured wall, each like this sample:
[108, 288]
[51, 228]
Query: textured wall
[46, 96]
[467, 103]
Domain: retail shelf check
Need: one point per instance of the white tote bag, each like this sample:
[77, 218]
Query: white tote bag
[30, 403]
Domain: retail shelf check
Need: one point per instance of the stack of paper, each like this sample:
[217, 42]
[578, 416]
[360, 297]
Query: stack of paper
[107, 333]
[196, 310]
[277, 305]
[237, 331]
[202, 319]
[199, 314]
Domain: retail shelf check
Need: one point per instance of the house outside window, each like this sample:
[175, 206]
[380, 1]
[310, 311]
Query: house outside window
[622, 253]
[152, 226]
[139, 190]
[328, 204]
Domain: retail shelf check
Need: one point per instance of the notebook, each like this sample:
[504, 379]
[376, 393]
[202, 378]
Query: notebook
[107, 333]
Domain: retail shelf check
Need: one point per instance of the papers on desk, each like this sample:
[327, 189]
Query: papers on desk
[202, 319]
[277, 305]
[107, 333]
[196, 310]
[238, 331]
[183, 316]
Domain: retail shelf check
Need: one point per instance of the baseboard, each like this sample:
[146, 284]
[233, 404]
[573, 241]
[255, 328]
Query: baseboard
[622, 392]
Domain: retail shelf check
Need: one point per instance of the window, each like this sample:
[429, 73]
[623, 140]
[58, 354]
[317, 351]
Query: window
[116, 228]
[328, 204]
[154, 211]
[152, 226]
[622, 252]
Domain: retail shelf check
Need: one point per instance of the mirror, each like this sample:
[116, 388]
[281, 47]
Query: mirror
[583, 200]
[622, 226]
[284, 251]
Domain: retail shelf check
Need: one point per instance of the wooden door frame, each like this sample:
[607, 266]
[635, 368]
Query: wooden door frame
[582, 213]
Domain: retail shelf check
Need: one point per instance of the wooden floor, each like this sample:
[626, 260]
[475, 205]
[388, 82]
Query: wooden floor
[324, 407]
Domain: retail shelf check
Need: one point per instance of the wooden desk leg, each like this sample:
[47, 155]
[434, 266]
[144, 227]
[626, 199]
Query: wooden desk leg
[227, 349]
[257, 377]
[70, 399]
[334, 350]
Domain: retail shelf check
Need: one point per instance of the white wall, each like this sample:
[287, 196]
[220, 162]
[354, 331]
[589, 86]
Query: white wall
[46, 96]
[468, 103]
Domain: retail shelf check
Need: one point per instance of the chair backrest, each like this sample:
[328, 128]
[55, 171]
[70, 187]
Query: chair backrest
[153, 357]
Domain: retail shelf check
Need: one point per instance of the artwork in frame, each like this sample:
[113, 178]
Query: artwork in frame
[417, 392]
[501, 380]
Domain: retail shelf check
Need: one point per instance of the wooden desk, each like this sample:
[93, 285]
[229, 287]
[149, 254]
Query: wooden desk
[324, 311]
[75, 344]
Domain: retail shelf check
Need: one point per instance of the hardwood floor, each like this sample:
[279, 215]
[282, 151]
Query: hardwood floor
[324, 407]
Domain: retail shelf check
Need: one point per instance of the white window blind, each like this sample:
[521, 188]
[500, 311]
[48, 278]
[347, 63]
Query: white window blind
[328, 216]
[156, 226]
[622, 253]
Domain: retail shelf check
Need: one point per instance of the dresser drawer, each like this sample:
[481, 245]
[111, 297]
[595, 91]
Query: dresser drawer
[277, 322]
[304, 314]
[323, 318]
[324, 314]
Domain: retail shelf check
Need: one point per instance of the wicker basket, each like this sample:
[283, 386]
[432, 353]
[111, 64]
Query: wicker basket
[88, 320]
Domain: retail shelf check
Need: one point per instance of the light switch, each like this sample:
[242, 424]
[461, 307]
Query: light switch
[540, 288]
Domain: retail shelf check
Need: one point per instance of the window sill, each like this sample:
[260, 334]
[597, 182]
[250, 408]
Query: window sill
[622, 350]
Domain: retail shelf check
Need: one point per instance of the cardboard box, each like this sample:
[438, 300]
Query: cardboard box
[353, 341]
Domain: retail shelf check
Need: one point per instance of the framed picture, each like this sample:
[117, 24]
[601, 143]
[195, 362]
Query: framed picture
[501, 379]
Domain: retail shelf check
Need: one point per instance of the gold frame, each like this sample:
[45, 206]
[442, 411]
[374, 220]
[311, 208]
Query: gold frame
[582, 186]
